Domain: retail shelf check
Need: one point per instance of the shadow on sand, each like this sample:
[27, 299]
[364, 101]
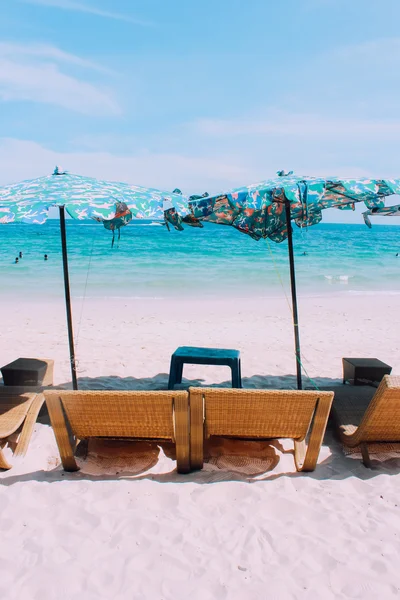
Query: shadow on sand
[335, 466]
[160, 382]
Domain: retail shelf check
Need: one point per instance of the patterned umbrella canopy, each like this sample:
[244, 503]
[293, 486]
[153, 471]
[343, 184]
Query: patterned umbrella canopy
[113, 204]
[385, 211]
[85, 198]
[263, 210]
[259, 209]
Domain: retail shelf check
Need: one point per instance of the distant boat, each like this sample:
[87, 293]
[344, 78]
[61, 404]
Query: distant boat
[157, 223]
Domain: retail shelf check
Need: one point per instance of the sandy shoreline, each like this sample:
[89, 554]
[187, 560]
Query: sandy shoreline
[333, 533]
[135, 338]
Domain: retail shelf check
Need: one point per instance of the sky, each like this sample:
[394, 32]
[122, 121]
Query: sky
[203, 96]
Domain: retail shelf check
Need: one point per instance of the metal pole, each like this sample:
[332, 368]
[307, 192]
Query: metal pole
[68, 298]
[294, 295]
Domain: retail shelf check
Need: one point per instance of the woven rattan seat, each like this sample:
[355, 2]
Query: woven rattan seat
[18, 414]
[260, 415]
[159, 416]
[369, 417]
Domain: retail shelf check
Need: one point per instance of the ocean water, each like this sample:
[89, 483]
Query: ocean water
[151, 262]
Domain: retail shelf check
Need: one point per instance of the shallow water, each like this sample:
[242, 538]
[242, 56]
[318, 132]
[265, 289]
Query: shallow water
[150, 262]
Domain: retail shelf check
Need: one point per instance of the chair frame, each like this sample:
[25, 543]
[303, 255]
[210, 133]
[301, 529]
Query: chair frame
[67, 441]
[305, 454]
[379, 422]
[25, 420]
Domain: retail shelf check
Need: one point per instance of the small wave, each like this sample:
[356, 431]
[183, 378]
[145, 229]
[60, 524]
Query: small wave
[161, 224]
[341, 279]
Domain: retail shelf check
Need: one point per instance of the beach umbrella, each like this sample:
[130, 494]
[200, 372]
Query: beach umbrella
[112, 203]
[123, 216]
[386, 211]
[265, 210]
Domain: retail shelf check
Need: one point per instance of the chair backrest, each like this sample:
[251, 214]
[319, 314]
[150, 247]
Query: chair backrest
[248, 413]
[120, 414]
[381, 421]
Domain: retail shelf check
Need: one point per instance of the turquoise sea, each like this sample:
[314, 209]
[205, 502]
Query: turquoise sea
[150, 262]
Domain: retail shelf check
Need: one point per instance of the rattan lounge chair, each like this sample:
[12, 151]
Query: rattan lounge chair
[260, 414]
[361, 420]
[154, 416]
[18, 414]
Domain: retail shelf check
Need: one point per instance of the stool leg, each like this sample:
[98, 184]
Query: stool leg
[235, 368]
[172, 374]
[179, 371]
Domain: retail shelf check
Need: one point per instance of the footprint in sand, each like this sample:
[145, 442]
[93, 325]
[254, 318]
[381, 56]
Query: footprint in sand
[61, 556]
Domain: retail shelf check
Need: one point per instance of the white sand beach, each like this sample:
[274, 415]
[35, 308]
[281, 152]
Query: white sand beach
[218, 533]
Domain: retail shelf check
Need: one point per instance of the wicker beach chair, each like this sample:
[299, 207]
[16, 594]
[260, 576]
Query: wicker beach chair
[361, 420]
[260, 415]
[18, 415]
[132, 415]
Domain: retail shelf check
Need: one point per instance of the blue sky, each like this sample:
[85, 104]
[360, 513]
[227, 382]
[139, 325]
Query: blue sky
[199, 95]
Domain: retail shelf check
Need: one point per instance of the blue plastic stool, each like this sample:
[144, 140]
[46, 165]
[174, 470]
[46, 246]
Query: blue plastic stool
[204, 356]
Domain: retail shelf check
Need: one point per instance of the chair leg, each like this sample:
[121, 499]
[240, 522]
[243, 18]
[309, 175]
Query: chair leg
[59, 426]
[306, 456]
[4, 464]
[196, 430]
[365, 456]
[182, 436]
[300, 450]
[29, 424]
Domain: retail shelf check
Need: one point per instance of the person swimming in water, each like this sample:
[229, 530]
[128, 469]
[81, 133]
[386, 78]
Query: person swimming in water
[20, 254]
[16, 259]
[45, 257]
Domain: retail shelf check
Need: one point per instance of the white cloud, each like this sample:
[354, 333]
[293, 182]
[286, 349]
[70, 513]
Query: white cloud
[22, 159]
[47, 51]
[33, 73]
[86, 8]
[309, 125]
[309, 144]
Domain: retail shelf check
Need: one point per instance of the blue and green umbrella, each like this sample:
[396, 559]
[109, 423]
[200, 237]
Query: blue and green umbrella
[83, 198]
[385, 211]
[112, 203]
[259, 209]
[264, 210]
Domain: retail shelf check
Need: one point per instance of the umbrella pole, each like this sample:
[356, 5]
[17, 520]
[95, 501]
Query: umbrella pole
[294, 295]
[68, 297]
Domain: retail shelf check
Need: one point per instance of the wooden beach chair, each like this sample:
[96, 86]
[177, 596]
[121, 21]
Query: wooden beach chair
[361, 420]
[158, 416]
[18, 414]
[260, 415]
